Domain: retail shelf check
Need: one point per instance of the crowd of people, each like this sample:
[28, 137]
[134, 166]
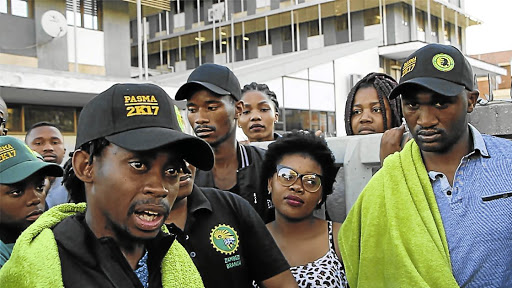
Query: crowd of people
[141, 203]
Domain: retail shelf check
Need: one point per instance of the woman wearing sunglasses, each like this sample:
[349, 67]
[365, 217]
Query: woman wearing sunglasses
[299, 172]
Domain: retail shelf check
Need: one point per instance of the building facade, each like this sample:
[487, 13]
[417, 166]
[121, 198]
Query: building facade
[309, 52]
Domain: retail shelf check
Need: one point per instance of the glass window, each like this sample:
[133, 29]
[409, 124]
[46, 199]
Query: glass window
[14, 119]
[371, 16]
[89, 14]
[406, 15]
[296, 93]
[341, 22]
[331, 124]
[420, 20]
[276, 86]
[313, 29]
[262, 40]
[447, 32]
[324, 72]
[21, 8]
[3, 6]
[321, 96]
[434, 26]
[64, 117]
[286, 33]
[297, 119]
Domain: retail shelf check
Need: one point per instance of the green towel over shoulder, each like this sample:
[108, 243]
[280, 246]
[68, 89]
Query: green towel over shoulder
[393, 235]
[35, 260]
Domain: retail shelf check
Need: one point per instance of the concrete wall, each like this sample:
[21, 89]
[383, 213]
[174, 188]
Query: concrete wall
[116, 31]
[52, 53]
[17, 33]
[493, 118]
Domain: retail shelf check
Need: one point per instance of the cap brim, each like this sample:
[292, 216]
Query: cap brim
[437, 85]
[26, 169]
[189, 88]
[194, 150]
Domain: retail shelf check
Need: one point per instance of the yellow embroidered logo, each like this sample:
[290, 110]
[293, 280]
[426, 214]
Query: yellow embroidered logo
[443, 62]
[408, 66]
[7, 152]
[141, 105]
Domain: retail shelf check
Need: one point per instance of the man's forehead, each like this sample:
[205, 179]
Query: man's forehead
[39, 133]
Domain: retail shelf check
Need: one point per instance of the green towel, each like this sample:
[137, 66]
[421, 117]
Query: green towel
[393, 235]
[35, 258]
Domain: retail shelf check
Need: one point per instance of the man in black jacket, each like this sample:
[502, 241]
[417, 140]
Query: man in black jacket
[213, 102]
[128, 153]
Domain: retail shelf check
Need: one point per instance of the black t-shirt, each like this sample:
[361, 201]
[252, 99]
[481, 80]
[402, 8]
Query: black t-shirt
[227, 240]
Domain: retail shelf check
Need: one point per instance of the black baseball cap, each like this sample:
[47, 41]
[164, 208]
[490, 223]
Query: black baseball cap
[139, 117]
[216, 78]
[437, 67]
[18, 162]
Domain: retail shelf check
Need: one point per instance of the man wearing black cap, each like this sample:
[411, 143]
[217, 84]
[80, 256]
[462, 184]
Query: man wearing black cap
[213, 101]
[128, 152]
[440, 211]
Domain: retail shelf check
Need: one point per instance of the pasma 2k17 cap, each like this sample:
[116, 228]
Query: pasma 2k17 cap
[440, 68]
[216, 78]
[140, 117]
[18, 162]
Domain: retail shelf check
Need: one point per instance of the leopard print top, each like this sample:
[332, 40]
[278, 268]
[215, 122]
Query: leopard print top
[327, 271]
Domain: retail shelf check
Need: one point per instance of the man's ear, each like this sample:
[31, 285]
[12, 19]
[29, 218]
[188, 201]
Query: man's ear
[81, 166]
[472, 98]
[239, 107]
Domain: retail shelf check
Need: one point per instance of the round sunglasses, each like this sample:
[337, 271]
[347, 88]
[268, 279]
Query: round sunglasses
[287, 176]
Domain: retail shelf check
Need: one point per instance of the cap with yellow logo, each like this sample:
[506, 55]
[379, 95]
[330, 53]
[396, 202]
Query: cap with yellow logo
[440, 68]
[18, 162]
[139, 117]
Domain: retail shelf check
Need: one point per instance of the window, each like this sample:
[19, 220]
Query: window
[460, 35]
[89, 14]
[177, 7]
[297, 119]
[201, 16]
[262, 41]
[447, 32]
[313, 29]
[22, 117]
[286, 33]
[434, 26]
[406, 15]
[341, 22]
[21, 8]
[420, 20]
[371, 16]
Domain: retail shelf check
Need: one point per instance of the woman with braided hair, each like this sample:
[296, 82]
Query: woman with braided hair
[368, 110]
[260, 113]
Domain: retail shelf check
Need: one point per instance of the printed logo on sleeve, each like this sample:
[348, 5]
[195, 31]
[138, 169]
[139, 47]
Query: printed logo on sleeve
[141, 105]
[443, 62]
